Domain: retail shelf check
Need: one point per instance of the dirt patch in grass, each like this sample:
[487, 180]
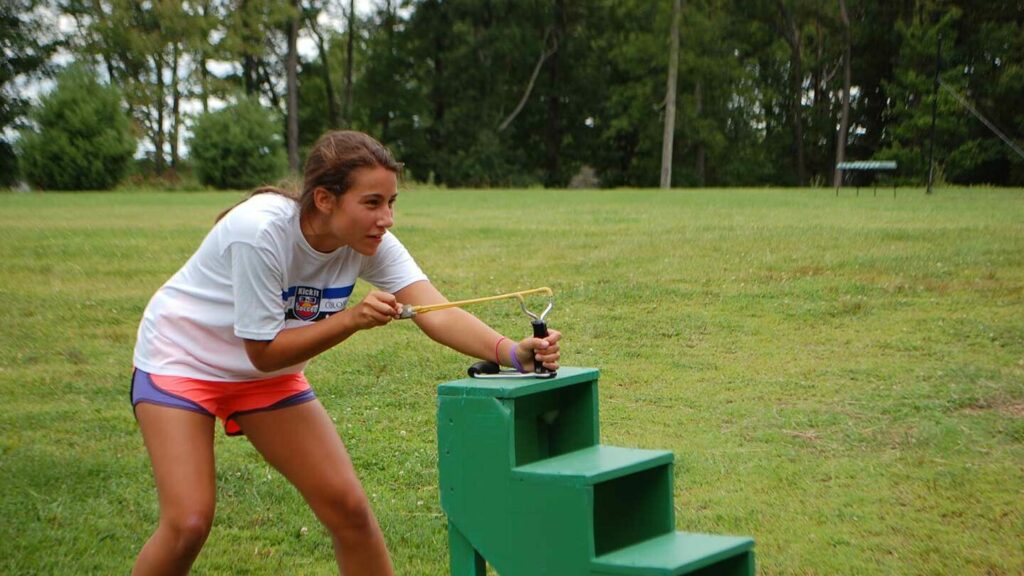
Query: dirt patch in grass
[1012, 409]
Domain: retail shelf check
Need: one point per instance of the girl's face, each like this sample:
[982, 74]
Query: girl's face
[360, 217]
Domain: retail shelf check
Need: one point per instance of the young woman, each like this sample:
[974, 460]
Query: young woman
[229, 334]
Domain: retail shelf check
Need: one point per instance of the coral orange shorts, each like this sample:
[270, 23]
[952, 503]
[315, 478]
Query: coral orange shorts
[225, 400]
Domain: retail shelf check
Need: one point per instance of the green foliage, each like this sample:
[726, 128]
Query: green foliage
[912, 95]
[238, 146]
[8, 164]
[142, 175]
[982, 48]
[140, 49]
[487, 163]
[27, 45]
[441, 82]
[82, 139]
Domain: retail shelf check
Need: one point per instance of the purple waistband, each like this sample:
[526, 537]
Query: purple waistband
[145, 390]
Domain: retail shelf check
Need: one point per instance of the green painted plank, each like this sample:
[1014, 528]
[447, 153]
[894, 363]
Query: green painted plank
[516, 387]
[594, 464]
[672, 554]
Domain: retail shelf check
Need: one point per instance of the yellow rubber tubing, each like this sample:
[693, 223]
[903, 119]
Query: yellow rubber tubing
[518, 295]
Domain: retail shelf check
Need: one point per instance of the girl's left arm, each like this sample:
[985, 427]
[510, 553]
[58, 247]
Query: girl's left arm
[465, 333]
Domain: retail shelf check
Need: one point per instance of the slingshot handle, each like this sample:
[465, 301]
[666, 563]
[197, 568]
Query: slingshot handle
[483, 367]
[540, 330]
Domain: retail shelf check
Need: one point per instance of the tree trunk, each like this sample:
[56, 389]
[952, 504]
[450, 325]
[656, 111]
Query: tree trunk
[204, 74]
[670, 98]
[389, 30]
[701, 164]
[250, 71]
[553, 128]
[321, 44]
[293, 89]
[265, 80]
[347, 106]
[547, 53]
[250, 64]
[204, 83]
[110, 68]
[819, 76]
[844, 118]
[435, 133]
[158, 137]
[791, 33]
[175, 105]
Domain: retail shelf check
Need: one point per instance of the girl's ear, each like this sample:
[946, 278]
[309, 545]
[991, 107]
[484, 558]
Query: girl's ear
[323, 200]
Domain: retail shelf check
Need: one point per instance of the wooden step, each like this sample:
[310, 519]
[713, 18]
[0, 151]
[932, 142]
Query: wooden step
[593, 464]
[516, 388]
[679, 553]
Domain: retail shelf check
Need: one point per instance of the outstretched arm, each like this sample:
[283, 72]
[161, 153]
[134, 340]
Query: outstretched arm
[465, 333]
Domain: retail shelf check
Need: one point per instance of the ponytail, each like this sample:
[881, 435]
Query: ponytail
[287, 193]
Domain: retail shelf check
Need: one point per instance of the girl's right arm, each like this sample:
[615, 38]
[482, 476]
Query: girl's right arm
[294, 345]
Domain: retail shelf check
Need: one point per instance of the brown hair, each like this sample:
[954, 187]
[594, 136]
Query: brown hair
[331, 162]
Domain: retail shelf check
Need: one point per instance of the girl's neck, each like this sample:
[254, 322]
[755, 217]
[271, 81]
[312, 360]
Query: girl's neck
[310, 226]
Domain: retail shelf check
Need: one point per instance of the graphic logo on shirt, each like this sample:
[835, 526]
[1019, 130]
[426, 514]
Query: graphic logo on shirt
[307, 302]
[313, 304]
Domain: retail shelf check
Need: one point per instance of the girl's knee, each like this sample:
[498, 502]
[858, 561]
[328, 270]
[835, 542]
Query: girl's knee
[188, 530]
[347, 513]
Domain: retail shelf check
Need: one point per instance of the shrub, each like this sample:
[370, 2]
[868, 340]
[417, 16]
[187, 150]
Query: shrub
[82, 140]
[585, 178]
[238, 146]
[142, 175]
[490, 162]
[8, 165]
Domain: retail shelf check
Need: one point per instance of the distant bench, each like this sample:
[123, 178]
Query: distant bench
[866, 166]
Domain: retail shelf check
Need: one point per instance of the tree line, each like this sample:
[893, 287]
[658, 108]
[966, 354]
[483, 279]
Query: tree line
[560, 92]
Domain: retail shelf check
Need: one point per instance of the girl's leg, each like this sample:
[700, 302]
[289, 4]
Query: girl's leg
[301, 443]
[180, 445]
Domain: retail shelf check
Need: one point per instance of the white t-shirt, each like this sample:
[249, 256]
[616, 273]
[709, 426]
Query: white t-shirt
[253, 276]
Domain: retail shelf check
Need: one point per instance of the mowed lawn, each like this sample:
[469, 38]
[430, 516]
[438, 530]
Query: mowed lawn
[840, 378]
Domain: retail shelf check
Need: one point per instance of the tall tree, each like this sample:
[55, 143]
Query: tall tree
[911, 94]
[844, 117]
[202, 48]
[628, 123]
[325, 60]
[133, 41]
[255, 36]
[553, 126]
[989, 54]
[292, 72]
[670, 98]
[790, 29]
[27, 48]
[350, 17]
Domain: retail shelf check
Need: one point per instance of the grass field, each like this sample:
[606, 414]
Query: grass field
[840, 378]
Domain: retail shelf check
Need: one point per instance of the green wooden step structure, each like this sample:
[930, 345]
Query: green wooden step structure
[529, 489]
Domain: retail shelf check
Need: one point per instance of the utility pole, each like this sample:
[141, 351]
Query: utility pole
[935, 104]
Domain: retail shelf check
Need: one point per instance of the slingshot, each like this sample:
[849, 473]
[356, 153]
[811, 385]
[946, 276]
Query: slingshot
[486, 369]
